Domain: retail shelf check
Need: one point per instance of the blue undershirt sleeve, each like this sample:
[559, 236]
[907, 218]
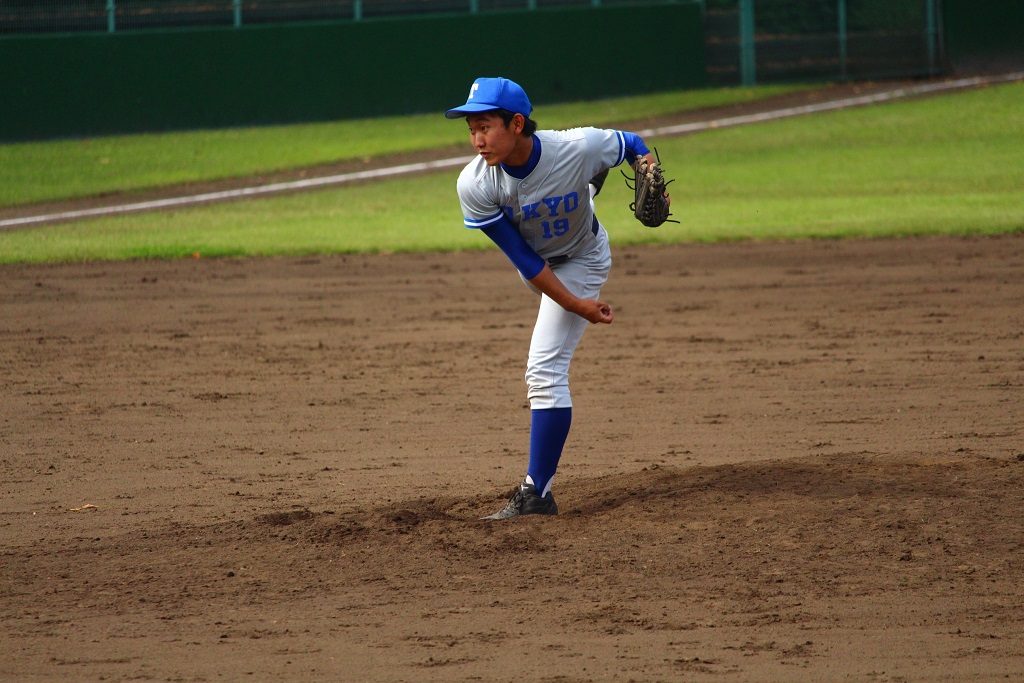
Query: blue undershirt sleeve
[508, 239]
[635, 146]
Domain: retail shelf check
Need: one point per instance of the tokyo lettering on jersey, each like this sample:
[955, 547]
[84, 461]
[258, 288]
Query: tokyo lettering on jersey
[550, 200]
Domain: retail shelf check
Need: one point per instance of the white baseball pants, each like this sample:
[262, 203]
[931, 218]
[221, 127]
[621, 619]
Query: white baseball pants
[558, 332]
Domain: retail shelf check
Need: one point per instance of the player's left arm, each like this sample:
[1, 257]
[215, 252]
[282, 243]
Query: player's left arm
[610, 147]
[635, 148]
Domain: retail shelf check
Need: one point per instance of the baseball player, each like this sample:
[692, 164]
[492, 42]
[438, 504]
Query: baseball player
[531, 192]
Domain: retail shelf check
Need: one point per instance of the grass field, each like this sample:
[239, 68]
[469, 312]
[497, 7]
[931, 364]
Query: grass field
[949, 164]
[76, 168]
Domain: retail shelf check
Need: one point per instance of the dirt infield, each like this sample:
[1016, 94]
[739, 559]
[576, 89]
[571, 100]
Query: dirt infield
[789, 462]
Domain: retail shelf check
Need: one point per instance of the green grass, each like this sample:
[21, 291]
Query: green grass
[35, 172]
[952, 164]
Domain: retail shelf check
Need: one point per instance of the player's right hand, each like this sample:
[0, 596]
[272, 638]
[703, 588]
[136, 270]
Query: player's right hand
[596, 311]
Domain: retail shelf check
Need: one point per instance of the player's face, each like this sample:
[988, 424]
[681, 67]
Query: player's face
[495, 141]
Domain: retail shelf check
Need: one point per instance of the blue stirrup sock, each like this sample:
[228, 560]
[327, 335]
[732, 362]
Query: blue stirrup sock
[548, 430]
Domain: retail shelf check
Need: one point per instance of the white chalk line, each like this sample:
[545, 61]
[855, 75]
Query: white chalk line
[252, 191]
[819, 107]
[404, 169]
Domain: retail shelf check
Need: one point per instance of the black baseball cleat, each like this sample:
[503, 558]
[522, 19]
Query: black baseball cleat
[525, 501]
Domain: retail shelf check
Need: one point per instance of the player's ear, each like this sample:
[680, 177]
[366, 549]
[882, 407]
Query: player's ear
[518, 123]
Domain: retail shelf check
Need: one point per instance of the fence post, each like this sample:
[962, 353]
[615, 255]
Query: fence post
[357, 10]
[474, 6]
[748, 62]
[111, 17]
[841, 11]
[236, 7]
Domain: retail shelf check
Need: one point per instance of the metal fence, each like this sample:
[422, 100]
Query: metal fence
[751, 41]
[747, 41]
[58, 16]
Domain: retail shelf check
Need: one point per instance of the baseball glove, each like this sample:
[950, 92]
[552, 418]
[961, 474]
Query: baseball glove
[650, 203]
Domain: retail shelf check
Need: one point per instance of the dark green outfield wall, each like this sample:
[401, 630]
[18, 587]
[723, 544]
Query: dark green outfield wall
[79, 85]
[978, 29]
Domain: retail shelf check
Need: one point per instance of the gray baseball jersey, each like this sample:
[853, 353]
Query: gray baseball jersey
[551, 206]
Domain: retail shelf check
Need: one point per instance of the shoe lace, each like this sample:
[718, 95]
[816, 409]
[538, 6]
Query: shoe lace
[516, 501]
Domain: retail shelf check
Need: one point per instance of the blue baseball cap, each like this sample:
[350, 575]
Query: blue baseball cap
[488, 94]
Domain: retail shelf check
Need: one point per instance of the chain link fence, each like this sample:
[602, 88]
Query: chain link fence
[765, 40]
[747, 41]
